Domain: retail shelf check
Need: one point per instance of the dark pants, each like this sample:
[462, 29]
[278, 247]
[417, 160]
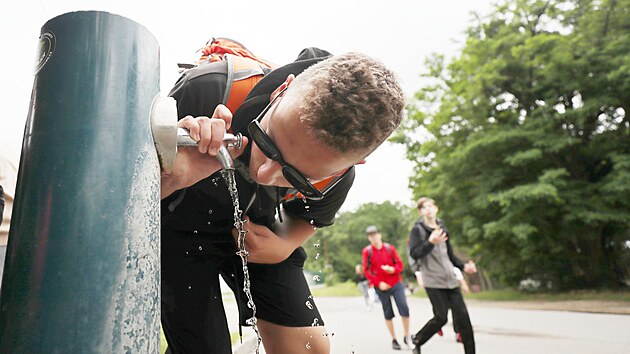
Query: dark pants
[398, 292]
[443, 300]
[193, 317]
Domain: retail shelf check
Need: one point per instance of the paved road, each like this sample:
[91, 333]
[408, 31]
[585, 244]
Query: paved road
[355, 330]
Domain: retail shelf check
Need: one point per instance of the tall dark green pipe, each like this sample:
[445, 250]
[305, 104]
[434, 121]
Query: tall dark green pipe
[82, 267]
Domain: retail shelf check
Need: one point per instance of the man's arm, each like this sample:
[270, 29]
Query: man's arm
[456, 261]
[368, 273]
[399, 266]
[273, 246]
[419, 245]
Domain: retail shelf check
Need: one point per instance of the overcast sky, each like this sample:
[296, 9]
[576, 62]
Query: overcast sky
[399, 33]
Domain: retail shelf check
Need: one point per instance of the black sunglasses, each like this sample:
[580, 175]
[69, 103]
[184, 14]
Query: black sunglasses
[269, 148]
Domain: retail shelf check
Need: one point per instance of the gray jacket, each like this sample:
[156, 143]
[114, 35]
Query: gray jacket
[436, 261]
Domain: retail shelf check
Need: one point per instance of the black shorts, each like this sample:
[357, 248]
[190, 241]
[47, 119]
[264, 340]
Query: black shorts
[193, 317]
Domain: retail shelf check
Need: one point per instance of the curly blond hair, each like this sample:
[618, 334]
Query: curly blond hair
[350, 102]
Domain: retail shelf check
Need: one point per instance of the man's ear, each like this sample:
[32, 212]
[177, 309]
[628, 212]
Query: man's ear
[284, 85]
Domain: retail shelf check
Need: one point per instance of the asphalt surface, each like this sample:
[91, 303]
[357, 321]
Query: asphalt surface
[499, 329]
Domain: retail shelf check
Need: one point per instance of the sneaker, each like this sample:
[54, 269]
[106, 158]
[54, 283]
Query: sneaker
[458, 338]
[440, 333]
[395, 345]
[408, 341]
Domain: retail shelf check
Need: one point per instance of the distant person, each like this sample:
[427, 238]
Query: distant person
[465, 289]
[364, 286]
[429, 244]
[383, 267]
[8, 180]
[1, 203]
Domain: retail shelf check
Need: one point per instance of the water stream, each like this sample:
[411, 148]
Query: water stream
[230, 180]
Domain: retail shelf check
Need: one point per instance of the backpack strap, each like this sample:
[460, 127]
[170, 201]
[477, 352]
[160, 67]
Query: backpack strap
[243, 74]
[244, 69]
[369, 260]
[388, 247]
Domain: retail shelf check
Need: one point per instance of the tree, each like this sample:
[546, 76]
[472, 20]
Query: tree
[344, 240]
[529, 148]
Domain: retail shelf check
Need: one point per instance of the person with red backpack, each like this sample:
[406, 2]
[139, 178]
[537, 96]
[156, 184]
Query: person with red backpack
[305, 125]
[383, 267]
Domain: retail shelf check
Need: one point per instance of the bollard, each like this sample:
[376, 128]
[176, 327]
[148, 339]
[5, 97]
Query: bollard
[82, 265]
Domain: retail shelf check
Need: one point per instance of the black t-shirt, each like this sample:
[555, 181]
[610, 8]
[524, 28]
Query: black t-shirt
[207, 206]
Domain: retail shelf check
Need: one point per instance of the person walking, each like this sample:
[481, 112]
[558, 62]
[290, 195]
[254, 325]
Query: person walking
[430, 246]
[464, 287]
[364, 286]
[383, 267]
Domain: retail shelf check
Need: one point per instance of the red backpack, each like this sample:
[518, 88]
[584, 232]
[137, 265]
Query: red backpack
[245, 69]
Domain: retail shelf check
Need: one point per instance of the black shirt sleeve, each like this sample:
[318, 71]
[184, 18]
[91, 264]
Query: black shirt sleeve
[419, 245]
[449, 250]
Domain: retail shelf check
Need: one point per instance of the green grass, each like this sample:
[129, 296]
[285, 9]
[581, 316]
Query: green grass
[350, 289]
[513, 295]
[340, 289]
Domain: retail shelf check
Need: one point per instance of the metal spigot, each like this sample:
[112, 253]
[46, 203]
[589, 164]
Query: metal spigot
[167, 136]
[229, 140]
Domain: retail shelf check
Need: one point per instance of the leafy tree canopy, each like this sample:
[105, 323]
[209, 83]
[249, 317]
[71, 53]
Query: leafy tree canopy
[528, 148]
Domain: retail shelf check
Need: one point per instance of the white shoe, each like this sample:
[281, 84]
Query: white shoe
[408, 341]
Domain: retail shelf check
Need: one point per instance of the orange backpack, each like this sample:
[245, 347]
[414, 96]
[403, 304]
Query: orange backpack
[245, 69]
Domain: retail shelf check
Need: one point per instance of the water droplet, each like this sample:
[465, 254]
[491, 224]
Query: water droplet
[309, 305]
[195, 232]
[317, 278]
[209, 222]
[210, 212]
[308, 345]
[189, 287]
[317, 256]
[315, 321]
[312, 222]
[317, 245]
[200, 248]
